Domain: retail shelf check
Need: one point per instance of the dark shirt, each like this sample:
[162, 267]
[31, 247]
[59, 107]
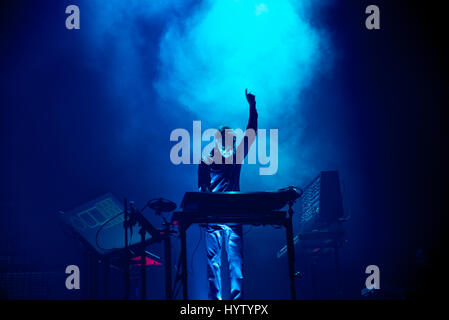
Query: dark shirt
[216, 177]
[219, 177]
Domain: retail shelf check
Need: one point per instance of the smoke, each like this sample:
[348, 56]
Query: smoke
[199, 56]
[269, 47]
[124, 38]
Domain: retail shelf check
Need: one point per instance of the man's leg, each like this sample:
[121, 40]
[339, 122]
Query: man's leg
[234, 249]
[214, 239]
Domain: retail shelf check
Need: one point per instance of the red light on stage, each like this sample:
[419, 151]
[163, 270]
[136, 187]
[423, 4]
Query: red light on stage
[148, 262]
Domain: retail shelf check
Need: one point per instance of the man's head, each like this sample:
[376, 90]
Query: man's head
[225, 139]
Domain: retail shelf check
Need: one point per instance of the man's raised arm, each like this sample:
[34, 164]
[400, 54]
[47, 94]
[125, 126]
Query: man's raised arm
[252, 122]
[251, 129]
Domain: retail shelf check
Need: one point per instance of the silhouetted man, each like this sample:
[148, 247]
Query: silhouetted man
[217, 173]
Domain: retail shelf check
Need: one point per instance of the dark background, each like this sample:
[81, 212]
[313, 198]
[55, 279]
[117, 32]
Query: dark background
[61, 145]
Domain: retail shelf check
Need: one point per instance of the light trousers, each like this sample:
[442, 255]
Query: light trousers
[229, 236]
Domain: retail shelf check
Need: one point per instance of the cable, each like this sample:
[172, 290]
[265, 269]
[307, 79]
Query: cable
[177, 286]
[178, 277]
[101, 227]
[196, 248]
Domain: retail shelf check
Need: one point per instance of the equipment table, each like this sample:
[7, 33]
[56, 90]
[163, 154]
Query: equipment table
[184, 219]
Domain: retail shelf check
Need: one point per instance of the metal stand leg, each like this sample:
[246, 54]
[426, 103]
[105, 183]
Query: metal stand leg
[168, 265]
[126, 274]
[291, 257]
[126, 257]
[85, 281]
[337, 273]
[93, 265]
[184, 261]
[105, 278]
[143, 266]
[313, 276]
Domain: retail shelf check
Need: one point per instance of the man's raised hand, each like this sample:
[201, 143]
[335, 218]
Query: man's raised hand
[250, 97]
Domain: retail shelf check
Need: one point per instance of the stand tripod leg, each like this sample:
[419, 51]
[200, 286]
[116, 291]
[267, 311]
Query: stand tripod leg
[168, 266]
[126, 274]
[93, 276]
[143, 267]
[291, 257]
[184, 261]
[126, 255]
[313, 276]
[105, 278]
[338, 273]
[86, 279]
